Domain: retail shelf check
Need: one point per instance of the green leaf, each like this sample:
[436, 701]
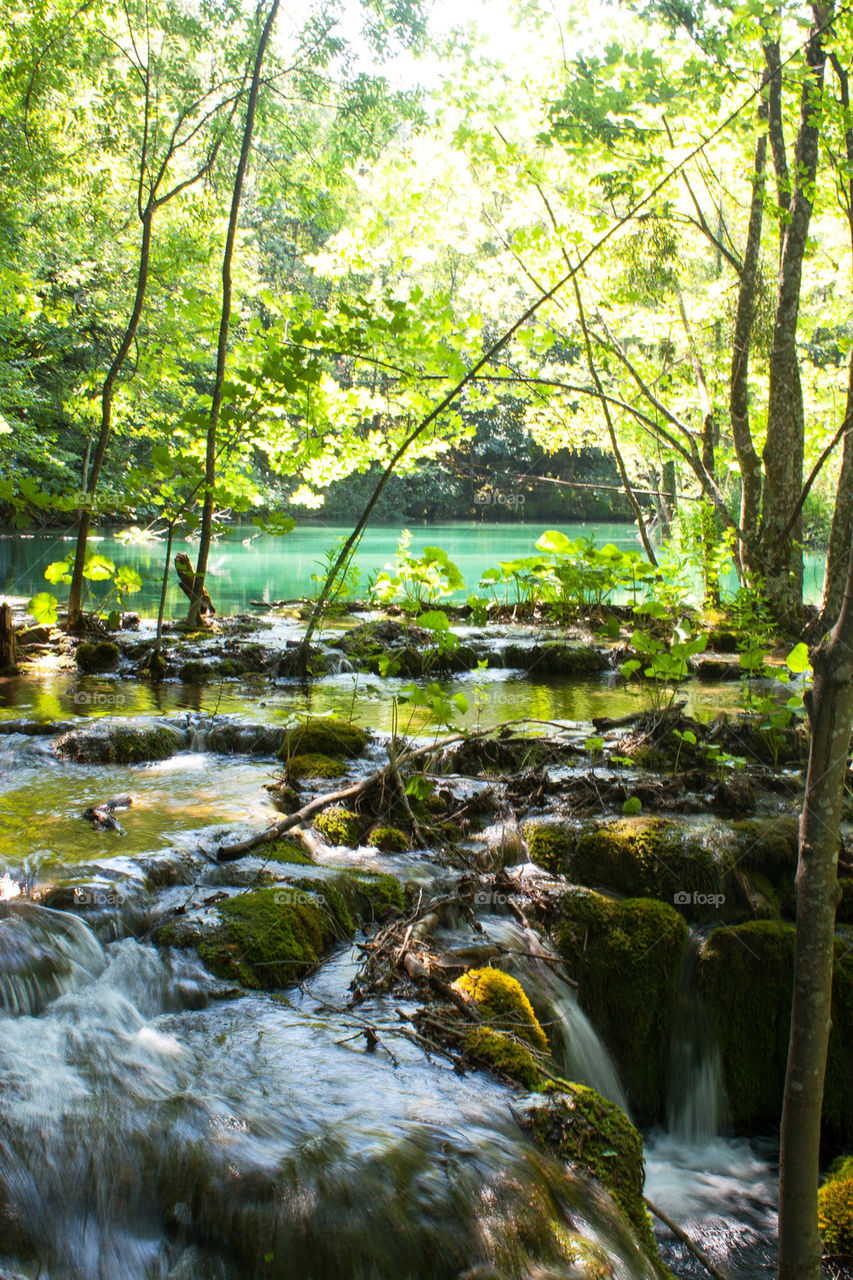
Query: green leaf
[797, 660]
[44, 608]
[632, 805]
[58, 571]
[98, 568]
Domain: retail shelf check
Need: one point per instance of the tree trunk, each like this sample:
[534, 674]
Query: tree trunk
[75, 591]
[841, 534]
[8, 657]
[186, 581]
[206, 531]
[830, 707]
[783, 451]
[748, 459]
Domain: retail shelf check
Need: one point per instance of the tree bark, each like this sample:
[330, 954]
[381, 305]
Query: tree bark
[8, 663]
[748, 459]
[830, 707]
[841, 534]
[783, 450]
[206, 531]
[90, 483]
[186, 581]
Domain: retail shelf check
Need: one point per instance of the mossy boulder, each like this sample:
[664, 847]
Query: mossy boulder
[100, 656]
[503, 1005]
[835, 1208]
[272, 937]
[555, 659]
[339, 826]
[643, 857]
[194, 671]
[288, 851]
[120, 744]
[596, 1137]
[504, 1055]
[626, 957]
[746, 977]
[324, 737]
[388, 839]
[315, 766]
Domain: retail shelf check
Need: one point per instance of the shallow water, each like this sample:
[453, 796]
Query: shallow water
[155, 1131]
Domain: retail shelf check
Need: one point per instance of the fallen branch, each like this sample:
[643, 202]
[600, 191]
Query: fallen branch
[710, 1267]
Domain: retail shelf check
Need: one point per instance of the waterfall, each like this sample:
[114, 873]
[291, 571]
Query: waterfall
[696, 1106]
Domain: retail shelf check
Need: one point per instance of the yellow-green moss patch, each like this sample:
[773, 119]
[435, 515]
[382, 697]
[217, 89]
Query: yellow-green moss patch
[324, 737]
[503, 1004]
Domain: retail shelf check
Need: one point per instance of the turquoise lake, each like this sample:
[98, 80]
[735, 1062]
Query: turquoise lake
[245, 566]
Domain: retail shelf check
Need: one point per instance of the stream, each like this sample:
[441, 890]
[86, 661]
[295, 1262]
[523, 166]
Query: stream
[159, 1126]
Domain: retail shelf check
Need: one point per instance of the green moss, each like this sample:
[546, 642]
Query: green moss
[314, 766]
[720, 641]
[550, 844]
[503, 1004]
[339, 826]
[325, 737]
[271, 937]
[746, 976]
[626, 957]
[595, 1135]
[388, 839]
[503, 1055]
[288, 851]
[102, 656]
[194, 672]
[133, 746]
[641, 857]
[835, 1214]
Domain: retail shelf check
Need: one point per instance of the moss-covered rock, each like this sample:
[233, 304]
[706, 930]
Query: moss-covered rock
[272, 937]
[194, 671]
[835, 1209]
[288, 851]
[315, 766]
[100, 656]
[283, 797]
[339, 826]
[388, 839]
[644, 857]
[325, 737]
[595, 1136]
[503, 1004]
[555, 658]
[120, 744]
[746, 976]
[503, 1055]
[626, 957]
[490, 755]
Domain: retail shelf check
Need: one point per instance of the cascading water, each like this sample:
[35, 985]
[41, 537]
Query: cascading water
[696, 1107]
[155, 1132]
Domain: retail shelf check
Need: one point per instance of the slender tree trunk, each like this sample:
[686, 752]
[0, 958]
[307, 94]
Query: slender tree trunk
[841, 534]
[206, 531]
[748, 459]
[830, 707]
[75, 593]
[783, 451]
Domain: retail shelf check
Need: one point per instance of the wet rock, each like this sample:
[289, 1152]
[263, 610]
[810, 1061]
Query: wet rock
[102, 655]
[120, 744]
[746, 978]
[596, 1136]
[553, 659]
[273, 936]
[43, 953]
[326, 737]
[233, 738]
[711, 670]
[626, 957]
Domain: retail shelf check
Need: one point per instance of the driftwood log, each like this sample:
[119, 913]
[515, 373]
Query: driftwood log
[8, 663]
[186, 577]
[101, 815]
